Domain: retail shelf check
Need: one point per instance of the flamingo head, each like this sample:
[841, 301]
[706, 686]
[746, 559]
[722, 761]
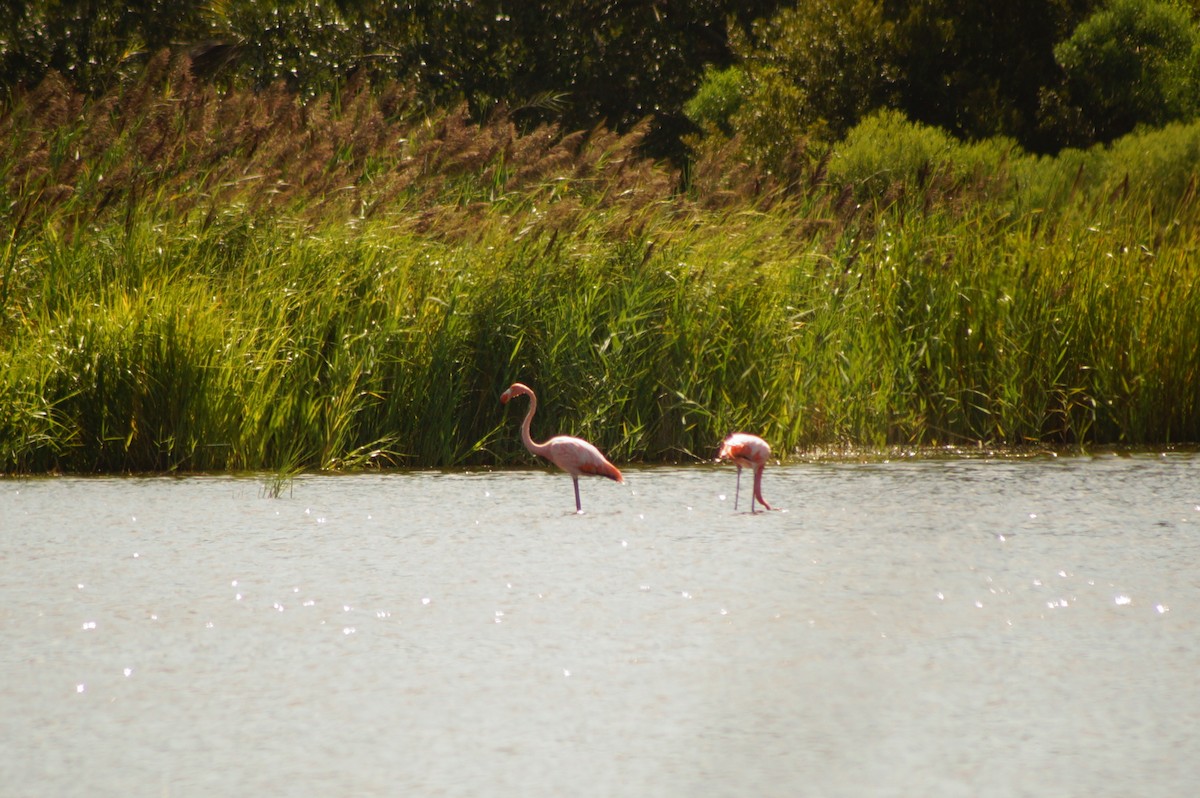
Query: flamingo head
[516, 389]
[729, 450]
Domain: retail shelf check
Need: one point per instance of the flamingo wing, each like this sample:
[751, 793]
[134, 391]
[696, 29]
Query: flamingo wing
[745, 449]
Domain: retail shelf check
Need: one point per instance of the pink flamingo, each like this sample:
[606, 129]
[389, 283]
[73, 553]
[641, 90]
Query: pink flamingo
[573, 455]
[751, 451]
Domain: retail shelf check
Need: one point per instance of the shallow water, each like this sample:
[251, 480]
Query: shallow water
[943, 628]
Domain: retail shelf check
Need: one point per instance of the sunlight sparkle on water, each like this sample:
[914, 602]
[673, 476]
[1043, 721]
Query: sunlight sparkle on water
[828, 601]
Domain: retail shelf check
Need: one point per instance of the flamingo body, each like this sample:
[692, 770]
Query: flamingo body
[750, 451]
[573, 455]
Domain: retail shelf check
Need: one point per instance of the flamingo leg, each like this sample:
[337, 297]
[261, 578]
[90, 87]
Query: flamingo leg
[578, 506]
[752, 510]
[738, 490]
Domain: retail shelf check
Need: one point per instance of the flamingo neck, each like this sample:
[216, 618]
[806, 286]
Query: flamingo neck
[533, 446]
[758, 475]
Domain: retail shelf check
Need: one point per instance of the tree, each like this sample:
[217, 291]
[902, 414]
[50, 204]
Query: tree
[837, 53]
[582, 64]
[808, 73]
[598, 61]
[977, 67]
[92, 43]
[1133, 62]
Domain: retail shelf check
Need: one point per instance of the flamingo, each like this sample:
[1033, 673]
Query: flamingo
[751, 451]
[573, 455]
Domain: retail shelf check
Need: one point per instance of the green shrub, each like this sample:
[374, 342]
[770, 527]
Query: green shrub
[719, 96]
[1159, 164]
[886, 152]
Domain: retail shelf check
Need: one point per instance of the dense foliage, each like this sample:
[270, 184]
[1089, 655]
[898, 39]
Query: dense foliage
[1046, 73]
[1133, 63]
[203, 279]
[328, 234]
[583, 63]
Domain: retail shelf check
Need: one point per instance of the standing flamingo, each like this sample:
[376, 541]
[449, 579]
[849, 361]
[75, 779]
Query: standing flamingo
[573, 455]
[751, 451]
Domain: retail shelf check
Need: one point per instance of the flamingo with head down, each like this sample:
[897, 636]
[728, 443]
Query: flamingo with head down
[573, 455]
[750, 451]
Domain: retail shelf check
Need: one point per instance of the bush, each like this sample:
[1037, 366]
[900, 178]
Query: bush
[886, 152]
[1157, 167]
[720, 95]
[1159, 164]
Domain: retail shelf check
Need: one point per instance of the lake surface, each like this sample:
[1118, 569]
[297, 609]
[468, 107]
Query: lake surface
[929, 627]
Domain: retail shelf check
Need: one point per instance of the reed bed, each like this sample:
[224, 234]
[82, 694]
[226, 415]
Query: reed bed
[229, 283]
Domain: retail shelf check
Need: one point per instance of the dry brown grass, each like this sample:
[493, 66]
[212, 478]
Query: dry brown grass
[178, 141]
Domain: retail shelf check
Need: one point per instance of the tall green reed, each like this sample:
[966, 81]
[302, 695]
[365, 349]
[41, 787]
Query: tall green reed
[176, 315]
